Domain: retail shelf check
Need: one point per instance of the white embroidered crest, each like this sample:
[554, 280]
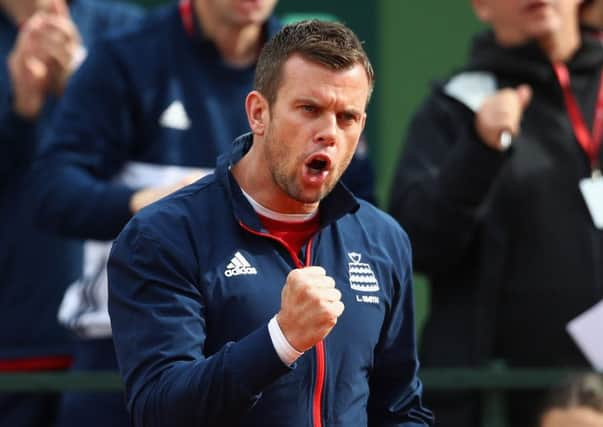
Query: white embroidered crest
[362, 277]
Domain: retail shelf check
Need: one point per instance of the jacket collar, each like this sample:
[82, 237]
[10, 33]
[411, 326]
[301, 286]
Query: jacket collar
[338, 203]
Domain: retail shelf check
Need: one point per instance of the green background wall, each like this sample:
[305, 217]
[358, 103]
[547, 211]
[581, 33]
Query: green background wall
[418, 42]
[411, 43]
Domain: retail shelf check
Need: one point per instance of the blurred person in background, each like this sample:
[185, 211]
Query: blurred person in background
[576, 403]
[149, 111]
[490, 187]
[42, 42]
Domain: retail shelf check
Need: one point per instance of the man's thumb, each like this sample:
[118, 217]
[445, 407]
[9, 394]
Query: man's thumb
[524, 93]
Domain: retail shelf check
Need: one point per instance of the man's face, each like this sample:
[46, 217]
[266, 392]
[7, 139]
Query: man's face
[242, 12]
[313, 127]
[522, 20]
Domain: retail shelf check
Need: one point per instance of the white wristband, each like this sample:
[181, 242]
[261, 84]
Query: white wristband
[285, 351]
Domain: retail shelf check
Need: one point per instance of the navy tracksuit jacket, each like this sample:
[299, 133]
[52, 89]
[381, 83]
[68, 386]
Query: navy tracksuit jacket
[191, 332]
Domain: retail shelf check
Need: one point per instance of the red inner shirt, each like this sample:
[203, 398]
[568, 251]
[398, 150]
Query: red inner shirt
[294, 234]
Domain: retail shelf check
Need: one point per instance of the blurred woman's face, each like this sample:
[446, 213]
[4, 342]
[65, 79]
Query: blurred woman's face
[517, 21]
[579, 416]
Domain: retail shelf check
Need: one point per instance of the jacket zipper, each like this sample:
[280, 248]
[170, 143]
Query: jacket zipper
[319, 384]
[320, 346]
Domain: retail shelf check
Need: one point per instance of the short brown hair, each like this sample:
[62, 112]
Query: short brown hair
[578, 390]
[327, 43]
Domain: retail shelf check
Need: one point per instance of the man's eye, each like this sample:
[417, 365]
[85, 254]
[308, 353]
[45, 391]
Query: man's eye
[309, 108]
[347, 117]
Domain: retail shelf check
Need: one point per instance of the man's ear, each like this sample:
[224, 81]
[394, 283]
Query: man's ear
[258, 112]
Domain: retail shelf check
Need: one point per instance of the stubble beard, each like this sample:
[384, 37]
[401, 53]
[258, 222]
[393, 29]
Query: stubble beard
[287, 182]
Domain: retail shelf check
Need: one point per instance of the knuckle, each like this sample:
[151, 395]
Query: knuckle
[331, 320]
[293, 275]
[307, 292]
[329, 281]
[323, 306]
[315, 270]
[323, 317]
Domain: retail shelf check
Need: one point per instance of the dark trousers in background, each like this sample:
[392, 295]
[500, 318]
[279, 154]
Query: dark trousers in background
[91, 409]
[28, 409]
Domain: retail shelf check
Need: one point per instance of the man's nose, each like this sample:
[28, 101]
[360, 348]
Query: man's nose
[327, 132]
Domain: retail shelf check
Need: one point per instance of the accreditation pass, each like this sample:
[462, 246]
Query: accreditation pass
[592, 191]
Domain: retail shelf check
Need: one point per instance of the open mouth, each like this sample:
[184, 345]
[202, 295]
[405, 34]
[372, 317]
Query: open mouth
[319, 163]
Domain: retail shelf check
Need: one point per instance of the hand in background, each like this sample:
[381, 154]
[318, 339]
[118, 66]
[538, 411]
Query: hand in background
[43, 58]
[148, 195]
[500, 112]
[62, 44]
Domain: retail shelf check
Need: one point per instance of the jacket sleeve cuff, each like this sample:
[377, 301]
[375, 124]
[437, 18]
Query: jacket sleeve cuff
[255, 361]
[469, 171]
[117, 207]
[12, 125]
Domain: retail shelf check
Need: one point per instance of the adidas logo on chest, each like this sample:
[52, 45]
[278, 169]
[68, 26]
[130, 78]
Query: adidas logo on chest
[238, 265]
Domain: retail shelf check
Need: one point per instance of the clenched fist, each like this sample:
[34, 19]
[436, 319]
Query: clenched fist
[501, 112]
[310, 307]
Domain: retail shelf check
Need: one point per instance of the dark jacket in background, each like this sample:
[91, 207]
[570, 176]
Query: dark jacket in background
[505, 238]
[36, 267]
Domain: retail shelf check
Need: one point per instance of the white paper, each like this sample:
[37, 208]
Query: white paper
[139, 175]
[592, 191]
[587, 331]
[472, 88]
